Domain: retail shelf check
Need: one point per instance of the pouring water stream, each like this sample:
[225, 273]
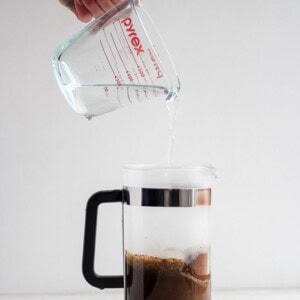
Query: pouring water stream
[172, 107]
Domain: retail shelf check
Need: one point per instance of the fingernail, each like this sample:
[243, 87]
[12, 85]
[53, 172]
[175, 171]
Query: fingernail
[68, 3]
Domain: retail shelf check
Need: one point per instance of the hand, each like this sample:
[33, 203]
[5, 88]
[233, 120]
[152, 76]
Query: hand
[85, 10]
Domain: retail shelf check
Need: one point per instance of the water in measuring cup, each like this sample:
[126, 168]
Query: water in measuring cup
[91, 100]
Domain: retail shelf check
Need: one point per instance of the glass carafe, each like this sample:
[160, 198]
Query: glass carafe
[165, 233]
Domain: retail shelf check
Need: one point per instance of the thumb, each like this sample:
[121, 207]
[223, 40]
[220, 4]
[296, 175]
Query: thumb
[78, 9]
[69, 4]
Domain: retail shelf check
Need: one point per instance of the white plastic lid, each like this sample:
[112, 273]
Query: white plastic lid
[169, 176]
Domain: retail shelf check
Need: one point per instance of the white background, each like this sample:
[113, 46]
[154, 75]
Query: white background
[239, 64]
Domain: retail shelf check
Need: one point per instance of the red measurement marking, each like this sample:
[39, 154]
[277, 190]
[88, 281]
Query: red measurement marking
[118, 81]
[121, 58]
[106, 89]
[142, 73]
[112, 53]
[157, 68]
[147, 70]
[137, 94]
[118, 34]
[118, 52]
[128, 95]
[146, 94]
[107, 59]
[130, 77]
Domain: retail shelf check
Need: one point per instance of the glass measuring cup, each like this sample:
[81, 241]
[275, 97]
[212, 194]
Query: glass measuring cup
[117, 60]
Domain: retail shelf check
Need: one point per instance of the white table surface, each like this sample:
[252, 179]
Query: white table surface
[288, 294]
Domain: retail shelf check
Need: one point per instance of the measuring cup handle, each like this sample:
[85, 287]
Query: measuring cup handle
[91, 277]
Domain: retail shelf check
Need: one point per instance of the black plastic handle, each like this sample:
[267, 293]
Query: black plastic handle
[89, 274]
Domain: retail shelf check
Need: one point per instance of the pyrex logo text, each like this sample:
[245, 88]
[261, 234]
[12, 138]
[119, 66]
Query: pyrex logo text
[135, 41]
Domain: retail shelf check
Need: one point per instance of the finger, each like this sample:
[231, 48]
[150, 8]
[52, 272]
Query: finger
[93, 7]
[67, 3]
[105, 4]
[82, 13]
[115, 2]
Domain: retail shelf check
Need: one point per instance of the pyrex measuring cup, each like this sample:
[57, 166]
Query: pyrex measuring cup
[117, 60]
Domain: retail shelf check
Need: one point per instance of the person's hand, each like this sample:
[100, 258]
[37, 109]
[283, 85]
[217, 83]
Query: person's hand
[85, 10]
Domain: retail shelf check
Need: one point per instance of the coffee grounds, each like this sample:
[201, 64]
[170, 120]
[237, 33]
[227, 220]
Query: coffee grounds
[154, 278]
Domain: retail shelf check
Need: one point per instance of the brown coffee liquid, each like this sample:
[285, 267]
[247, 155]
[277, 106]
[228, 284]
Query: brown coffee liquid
[153, 278]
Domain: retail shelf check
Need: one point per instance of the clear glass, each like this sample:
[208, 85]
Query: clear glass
[166, 240]
[117, 60]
